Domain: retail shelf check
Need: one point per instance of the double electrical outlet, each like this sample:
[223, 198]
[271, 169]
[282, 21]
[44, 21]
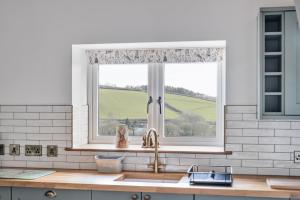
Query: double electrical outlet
[297, 156]
[30, 150]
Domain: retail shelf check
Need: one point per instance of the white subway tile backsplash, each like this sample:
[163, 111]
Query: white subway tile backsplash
[39, 164]
[234, 116]
[225, 162]
[66, 165]
[295, 141]
[258, 132]
[6, 115]
[295, 125]
[39, 109]
[234, 132]
[52, 115]
[272, 171]
[53, 130]
[241, 124]
[274, 156]
[244, 170]
[286, 164]
[274, 125]
[192, 161]
[65, 123]
[287, 133]
[26, 129]
[274, 140]
[294, 172]
[258, 147]
[247, 116]
[26, 115]
[39, 122]
[14, 163]
[233, 147]
[241, 109]
[257, 163]
[63, 109]
[241, 140]
[12, 109]
[6, 129]
[287, 148]
[10, 122]
[39, 136]
[243, 155]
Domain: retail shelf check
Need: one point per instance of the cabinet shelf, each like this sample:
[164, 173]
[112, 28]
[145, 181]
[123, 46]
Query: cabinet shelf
[273, 73]
[273, 53]
[273, 93]
[273, 33]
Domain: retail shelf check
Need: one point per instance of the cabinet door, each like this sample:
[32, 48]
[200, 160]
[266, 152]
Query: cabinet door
[47, 194]
[5, 193]
[198, 197]
[108, 195]
[292, 64]
[158, 196]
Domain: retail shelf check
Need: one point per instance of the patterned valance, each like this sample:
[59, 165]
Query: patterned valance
[161, 55]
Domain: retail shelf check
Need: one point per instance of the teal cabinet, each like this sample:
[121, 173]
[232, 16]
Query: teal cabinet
[198, 197]
[158, 196]
[46, 194]
[108, 195]
[5, 193]
[292, 64]
[100, 195]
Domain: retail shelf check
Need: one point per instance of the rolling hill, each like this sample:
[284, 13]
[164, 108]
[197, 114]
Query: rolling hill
[122, 104]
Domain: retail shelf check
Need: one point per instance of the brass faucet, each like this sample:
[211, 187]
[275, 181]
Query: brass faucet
[148, 143]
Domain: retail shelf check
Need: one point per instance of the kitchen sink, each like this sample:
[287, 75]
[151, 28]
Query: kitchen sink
[150, 177]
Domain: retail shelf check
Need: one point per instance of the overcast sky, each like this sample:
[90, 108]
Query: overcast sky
[198, 77]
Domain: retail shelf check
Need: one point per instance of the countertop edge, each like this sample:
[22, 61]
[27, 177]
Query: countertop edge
[248, 186]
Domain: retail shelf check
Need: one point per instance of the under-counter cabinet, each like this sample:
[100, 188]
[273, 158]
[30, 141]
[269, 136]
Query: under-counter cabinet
[47, 194]
[5, 193]
[198, 197]
[101, 195]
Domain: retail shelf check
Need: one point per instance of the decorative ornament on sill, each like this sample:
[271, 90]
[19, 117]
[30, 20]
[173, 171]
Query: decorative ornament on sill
[122, 136]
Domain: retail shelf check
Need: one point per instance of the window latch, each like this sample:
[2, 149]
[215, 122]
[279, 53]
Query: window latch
[150, 100]
[159, 103]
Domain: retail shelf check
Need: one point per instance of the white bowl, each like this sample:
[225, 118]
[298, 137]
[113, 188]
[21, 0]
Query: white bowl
[109, 164]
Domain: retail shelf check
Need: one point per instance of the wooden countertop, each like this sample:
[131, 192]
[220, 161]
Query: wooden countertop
[251, 186]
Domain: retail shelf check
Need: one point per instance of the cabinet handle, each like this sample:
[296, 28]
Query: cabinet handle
[50, 194]
[147, 197]
[134, 197]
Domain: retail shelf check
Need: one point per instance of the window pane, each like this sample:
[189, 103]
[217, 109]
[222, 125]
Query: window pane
[190, 99]
[122, 98]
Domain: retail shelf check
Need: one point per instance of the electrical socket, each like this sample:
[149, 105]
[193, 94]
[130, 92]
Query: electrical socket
[2, 150]
[297, 156]
[51, 151]
[33, 150]
[14, 149]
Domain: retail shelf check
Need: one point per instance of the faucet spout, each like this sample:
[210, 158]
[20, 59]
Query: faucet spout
[156, 165]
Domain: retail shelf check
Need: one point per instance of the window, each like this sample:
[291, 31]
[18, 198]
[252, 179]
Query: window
[181, 100]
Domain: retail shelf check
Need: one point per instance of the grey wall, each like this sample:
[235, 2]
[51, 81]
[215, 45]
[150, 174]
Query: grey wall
[36, 38]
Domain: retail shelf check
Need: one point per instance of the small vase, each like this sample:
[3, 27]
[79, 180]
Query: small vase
[122, 136]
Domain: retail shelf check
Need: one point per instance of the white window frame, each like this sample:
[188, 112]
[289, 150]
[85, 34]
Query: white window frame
[156, 89]
[92, 96]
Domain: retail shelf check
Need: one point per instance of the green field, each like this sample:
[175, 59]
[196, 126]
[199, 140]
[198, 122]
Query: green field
[123, 104]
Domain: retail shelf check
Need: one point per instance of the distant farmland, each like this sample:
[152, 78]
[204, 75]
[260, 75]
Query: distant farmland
[130, 104]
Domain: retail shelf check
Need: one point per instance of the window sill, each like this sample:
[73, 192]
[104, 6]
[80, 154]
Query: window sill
[162, 149]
